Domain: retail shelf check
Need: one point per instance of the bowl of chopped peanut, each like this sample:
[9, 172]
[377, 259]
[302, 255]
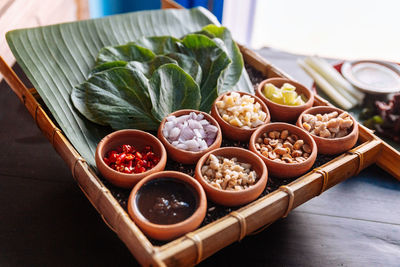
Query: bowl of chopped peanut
[231, 176]
[239, 114]
[334, 130]
[287, 150]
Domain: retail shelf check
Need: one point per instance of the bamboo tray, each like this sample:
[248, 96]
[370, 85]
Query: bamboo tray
[205, 241]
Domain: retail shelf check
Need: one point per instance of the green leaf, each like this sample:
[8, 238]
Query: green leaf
[56, 58]
[160, 45]
[188, 64]
[107, 65]
[213, 61]
[233, 72]
[127, 52]
[148, 67]
[116, 97]
[172, 89]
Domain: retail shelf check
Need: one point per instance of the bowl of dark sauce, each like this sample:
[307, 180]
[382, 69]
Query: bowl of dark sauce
[167, 204]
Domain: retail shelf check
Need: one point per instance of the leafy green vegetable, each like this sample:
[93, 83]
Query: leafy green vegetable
[160, 45]
[123, 97]
[172, 89]
[188, 64]
[108, 65]
[127, 52]
[117, 97]
[148, 67]
[233, 72]
[213, 61]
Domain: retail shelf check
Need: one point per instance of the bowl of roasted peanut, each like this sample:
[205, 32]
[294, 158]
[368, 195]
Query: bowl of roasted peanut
[287, 150]
[334, 130]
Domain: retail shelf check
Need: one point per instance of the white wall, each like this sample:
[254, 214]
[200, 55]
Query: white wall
[335, 28]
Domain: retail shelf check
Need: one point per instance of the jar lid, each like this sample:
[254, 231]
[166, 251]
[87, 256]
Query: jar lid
[371, 76]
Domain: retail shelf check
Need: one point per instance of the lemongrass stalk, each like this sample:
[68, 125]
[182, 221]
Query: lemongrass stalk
[341, 90]
[328, 89]
[333, 77]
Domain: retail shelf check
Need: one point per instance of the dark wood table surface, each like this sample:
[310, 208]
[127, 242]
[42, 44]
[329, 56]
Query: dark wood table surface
[45, 220]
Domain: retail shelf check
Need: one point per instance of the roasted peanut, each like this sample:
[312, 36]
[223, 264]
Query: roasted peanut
[299, 143]
[272, 155]
[288, 145]
[273, 142]
[280, 150]
[283, 147]
[290, 140]
[266, 141]
[306, 148]
[228, 173]
[284, 134]
[297, 153]
[328, 125]
[287, 159]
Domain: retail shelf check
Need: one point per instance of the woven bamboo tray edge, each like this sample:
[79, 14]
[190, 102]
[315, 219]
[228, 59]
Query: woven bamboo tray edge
[201, 244]
[231, 227]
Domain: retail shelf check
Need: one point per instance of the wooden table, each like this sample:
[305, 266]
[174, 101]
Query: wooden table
[46, 220]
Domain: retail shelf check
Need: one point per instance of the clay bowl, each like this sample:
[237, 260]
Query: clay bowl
[281, 169]
[234, 198]
[169, 231]
[331, 146]
[184, 156]
[233, 132]
[137, 138]
[285, 113]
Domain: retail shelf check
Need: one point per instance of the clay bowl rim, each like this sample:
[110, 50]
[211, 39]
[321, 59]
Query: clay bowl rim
[260, 94]
[264, 108]
[182, 177]
[130, 176]
[263, 176]
[217, 142]
[350, 135]
[285, 126]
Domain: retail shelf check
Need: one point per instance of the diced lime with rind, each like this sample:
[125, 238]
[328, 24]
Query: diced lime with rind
[277, 98]
[269, 90]
[288, 87]
[289, 97]
[299, 101]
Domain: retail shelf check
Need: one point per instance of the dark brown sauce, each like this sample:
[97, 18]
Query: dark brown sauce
[166, 201]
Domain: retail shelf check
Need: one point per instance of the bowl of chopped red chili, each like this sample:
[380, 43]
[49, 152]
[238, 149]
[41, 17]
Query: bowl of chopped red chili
[125, 157]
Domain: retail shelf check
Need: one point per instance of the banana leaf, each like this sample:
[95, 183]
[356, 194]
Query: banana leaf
[59, 57]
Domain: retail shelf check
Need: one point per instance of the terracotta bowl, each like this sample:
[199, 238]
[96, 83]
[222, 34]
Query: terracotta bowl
[332, 146]
[137, 138]
[184, 156]
[233, 132]
[234, 198]
[285, 113]
[280, 169]
[169, 231]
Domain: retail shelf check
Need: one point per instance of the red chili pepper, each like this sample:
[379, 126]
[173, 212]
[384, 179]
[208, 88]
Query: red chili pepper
[126, 148]
[120, 158]
[107, 161]
[127, 159]
[112, 156]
